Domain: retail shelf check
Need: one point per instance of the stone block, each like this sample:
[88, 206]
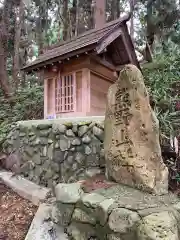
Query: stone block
[158, 226]
[79, 231]
[49, 174]
[50, 151]
[38, 171]
[75, 128]
[64, 143]
[58, 156]
[91, 172]
[83, 217]
[68, 193]
[82, 130]
[80, 158]
[92, 160]
[103, 210]
[55, 167]
[122, 220]
[132, 149]
[113, 236]
[70, 133]
[58, 128]
[44, 132]
[88, 150]
[65, 213]
[36, 158]
[92, 200]
[99, 133]
[29, 150]
[43, 126]
[44, 151]
[43, 141]
[86, 139]
[76, 142]
[54, 213]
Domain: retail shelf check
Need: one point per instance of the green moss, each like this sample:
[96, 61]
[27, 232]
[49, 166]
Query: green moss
[84, 123]
[68, 124]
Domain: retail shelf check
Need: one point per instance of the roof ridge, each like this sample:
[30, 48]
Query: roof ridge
[106, 25]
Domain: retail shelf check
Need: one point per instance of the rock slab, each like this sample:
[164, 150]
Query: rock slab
[42, 228]
[25, 188]
[131, 145]
[118, 213]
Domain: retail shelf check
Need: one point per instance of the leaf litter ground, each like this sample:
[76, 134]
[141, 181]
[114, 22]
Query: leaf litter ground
[16, 214]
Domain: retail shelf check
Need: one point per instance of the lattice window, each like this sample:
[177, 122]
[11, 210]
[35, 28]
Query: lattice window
[65, 93]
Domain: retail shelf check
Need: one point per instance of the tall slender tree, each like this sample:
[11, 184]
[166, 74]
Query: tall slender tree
[19, 17]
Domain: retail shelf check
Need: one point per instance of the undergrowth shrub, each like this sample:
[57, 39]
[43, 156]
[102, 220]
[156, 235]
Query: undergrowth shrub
[28, 105]
[159, 76]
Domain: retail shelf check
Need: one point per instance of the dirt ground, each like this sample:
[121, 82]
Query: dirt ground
[96, 182]
[16, 215]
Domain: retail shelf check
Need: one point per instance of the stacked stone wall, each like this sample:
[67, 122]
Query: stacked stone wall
[115, 213]
[56, 151]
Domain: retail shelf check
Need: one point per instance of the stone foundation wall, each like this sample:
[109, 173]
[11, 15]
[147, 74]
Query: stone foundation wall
[116, 213]
[53, 151]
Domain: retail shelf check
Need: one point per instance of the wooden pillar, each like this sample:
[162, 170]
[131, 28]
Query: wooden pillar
[53, 98]
[49, 97]
[85, 90]
[45, 98]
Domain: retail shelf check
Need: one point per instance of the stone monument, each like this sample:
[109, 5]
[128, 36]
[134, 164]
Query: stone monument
[132, 149]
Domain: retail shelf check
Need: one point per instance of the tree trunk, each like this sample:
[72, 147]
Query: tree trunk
[89, 9]
[41, 24]
[77, 18]
[131, 5]
[4, 81]
[100, 13]
[118, 8]
[150, 32]
[65, 19]
[18, 28]
[74, 13]
[113, 10]
[4, 24]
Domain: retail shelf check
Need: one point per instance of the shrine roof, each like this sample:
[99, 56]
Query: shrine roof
[96, 41]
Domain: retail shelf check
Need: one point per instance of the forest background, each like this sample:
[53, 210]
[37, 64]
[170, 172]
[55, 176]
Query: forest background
[27, 27]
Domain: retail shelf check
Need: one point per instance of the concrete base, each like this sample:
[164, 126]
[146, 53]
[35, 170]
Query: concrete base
[42, 228]
[25, 188]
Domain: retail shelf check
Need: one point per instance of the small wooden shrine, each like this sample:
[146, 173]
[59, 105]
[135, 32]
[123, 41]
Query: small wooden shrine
[78, 73]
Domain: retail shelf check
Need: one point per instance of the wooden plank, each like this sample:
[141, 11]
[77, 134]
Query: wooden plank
[104, 74]
[102, 70]
[45, 97]
[62, 57]
[109, 39]
[99, 89]
[75, 64]
[103, 62]
[79, 91]
[85, 90]
[130, 47]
